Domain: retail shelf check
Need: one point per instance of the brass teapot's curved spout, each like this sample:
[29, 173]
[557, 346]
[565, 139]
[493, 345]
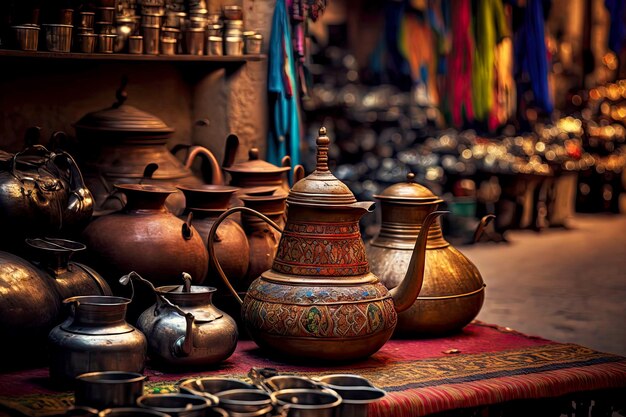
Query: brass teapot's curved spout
[404, 295]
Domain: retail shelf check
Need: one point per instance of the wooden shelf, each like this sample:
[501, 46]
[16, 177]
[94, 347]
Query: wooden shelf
[217, 60]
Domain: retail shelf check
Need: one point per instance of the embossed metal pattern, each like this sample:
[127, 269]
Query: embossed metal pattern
[321, 249]
[263, 290]
[320, 320]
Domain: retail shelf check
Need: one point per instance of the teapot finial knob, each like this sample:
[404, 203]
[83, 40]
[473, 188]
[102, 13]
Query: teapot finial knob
[253, 154]
[410, 177]
[322, 150]
[121, 95]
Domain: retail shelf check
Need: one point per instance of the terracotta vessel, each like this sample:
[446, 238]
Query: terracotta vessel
[118, 143]
[184, 327]
[319, 301]
[42, 193]
[96, 337]
[147, 238]
[70, 278]
[206, 203]
[453, 290]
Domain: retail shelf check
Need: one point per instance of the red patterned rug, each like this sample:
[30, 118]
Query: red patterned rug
[482, 365]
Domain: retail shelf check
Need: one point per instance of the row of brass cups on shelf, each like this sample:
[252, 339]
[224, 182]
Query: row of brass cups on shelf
[345, 395]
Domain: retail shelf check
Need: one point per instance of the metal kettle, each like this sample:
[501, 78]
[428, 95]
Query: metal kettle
[320, 300]
[453, 290]
[183, 327]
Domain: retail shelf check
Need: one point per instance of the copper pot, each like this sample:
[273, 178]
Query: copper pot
[120, 141]
[453, 290]
[206, 203]
[29, 307]
[146, 238]
[71, 278]
[41, 193]
[319, 300]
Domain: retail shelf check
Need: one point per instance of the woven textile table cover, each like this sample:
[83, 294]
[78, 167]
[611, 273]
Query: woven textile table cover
[483, 365]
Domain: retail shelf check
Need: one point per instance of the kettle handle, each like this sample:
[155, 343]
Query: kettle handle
[484, 222]
[195, 151]
[211, 245]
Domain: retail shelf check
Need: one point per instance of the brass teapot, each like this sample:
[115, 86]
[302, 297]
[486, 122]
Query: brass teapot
[453, 290]
[183, 327]
[319, 300]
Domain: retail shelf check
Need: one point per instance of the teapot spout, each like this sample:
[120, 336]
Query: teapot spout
[363, 207]
[404, 295]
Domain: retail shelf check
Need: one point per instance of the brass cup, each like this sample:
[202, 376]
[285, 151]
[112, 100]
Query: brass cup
[108, 389]
[308, 402]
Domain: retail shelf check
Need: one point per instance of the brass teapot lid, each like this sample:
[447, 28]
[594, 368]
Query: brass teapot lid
[408, 192]
[121, 117]
[254, 165]
[321, 188]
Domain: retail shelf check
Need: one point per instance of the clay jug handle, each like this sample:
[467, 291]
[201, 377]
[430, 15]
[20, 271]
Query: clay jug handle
[208, 158]
[484, 222]
[298, 173]
[211, 240]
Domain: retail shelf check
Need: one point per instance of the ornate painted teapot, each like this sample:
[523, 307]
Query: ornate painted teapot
[320, 300]
[453, 290]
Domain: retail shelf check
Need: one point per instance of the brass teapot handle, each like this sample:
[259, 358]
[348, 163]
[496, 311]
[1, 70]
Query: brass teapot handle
[211, 240]
[484, 222]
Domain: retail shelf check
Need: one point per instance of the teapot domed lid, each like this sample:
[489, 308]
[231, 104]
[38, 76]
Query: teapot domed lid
[254, 165]
[409, 192]
[121, 117]
[321, 188]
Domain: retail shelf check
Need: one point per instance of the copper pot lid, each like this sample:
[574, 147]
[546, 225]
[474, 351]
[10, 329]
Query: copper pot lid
[321, 188]
[121, 117]
[254, 165]
[408, 192]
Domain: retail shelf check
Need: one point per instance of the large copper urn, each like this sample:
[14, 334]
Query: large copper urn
[453, 290]
[320, 301]
[118, 144]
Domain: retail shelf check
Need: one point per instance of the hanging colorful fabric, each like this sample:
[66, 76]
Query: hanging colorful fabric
[531, 58]
[284, 124]
[489, 28]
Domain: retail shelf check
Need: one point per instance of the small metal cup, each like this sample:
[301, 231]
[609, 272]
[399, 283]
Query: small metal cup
[176, 405]
[282, 382]
[135, 44]
[86, 19]
[131, 412]
[151, 19]
[108, 389]
[194, 41]
[355, 401]
[245, 401]
[106, 14]
[253, 44]
[26, 37]
[211, 386]
[66, 16]
[232, 12]
[105, 43]
[308, 402]
[86, 42]
[215, 46]
[105, 28]
[233, 45]
[150, 39]
[168, 46]
[58, 37]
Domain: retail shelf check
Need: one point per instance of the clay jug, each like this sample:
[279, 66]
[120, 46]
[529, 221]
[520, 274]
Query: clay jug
[96, 337]
[453, 290]
[147, 238]
[320, 301]
[206, 203]
[183, 327]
